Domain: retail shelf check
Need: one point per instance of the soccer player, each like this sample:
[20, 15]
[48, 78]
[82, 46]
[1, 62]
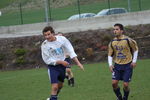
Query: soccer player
[53, 54]
[123, 51]
[69, 73]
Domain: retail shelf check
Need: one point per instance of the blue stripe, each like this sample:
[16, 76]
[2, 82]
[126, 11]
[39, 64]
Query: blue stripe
[119, 39]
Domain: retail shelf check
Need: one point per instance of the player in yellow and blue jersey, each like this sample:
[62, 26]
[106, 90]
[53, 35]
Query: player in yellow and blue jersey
[123, 51]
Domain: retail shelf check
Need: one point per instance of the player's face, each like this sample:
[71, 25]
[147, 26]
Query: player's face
[49, 36]
[117, 31]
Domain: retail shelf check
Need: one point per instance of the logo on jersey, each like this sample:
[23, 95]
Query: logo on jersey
[57, 51]
[120, 55]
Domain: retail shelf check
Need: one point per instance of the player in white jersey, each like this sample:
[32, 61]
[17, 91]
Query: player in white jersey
[53, 53]
[69, 73]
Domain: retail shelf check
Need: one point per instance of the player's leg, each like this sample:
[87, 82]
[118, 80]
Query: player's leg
[61, 78]
[126, 90]
[60, 86]
[54, 90]
[53, 76]
[70, 77]
[116, 89]
[127, 78]
[116, 76]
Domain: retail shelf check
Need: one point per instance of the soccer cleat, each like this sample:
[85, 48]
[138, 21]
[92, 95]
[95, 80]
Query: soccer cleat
[120, 98]
[48, 99]
[72, 82]
[124, 98]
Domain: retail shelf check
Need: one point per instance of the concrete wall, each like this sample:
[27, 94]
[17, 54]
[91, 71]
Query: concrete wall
[65, 26]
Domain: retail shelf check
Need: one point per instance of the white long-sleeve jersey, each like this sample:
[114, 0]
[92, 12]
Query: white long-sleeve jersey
[56, 50]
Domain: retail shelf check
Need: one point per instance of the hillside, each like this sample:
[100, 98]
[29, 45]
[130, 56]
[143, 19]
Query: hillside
[55, 3]
[91, 46]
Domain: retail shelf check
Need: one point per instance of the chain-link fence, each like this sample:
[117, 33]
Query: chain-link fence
[34, 11]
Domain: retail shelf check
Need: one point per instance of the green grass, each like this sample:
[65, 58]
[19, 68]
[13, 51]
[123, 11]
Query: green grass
[38, 15]
[92, 84]
[4, 3]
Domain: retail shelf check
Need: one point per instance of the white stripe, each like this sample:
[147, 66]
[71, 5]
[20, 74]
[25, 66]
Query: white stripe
[49, 74]
[135, 54]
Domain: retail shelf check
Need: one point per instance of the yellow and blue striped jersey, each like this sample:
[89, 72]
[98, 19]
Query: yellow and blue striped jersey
[121, 49]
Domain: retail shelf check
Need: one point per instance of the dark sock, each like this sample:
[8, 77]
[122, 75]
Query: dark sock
[53, 97]
[67, 77]
[126, 94]
[72, 81]
[118, 93]
[69, 82]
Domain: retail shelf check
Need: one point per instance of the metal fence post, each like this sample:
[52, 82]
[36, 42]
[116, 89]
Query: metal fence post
[109, 6]
[78, 2]
[129, 5]
[49, 7]
[140, 5]
[46, 11]
[21, 17]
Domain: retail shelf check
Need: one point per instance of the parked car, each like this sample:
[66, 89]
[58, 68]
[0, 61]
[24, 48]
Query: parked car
[111, 11]
[83, 15]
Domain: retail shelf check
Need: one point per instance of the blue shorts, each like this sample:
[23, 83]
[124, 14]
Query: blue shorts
[69, 61]
[56, 73]
[122, 72]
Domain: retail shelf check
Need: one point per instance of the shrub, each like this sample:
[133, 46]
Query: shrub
[20, 60]
[20, 52]
[1, 57]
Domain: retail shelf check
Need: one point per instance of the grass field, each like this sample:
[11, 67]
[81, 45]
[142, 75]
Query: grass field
[92, 84]
[13, 17]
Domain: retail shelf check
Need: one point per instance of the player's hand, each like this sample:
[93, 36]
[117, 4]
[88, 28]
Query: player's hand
[133, 65]
[81, 66]
[64, 63]
[111, 68]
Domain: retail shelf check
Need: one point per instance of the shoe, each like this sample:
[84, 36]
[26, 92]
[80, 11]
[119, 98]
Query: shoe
[72, 82]
[124, 98]
[48, 99]
[120, 98]
[72, 85]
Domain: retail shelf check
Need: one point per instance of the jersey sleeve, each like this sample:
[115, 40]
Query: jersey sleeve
[110, 49]
[133, 45]
[69, 48]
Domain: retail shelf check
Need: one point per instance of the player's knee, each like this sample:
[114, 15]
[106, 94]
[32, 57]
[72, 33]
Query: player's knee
[115, 85]
[126, 85]
[55, 88]
[68, 70]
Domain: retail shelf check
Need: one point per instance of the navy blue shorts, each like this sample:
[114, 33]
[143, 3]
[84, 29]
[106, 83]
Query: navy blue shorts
[56, 73]
[69, 61]
[122, 72]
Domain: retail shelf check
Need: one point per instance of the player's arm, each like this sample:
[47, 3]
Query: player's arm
[134, 47]
[75, 59]
[110, 57]
[64, 63]
[70, 50]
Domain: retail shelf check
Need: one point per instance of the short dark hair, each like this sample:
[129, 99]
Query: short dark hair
[48, 28]
[120, 26]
